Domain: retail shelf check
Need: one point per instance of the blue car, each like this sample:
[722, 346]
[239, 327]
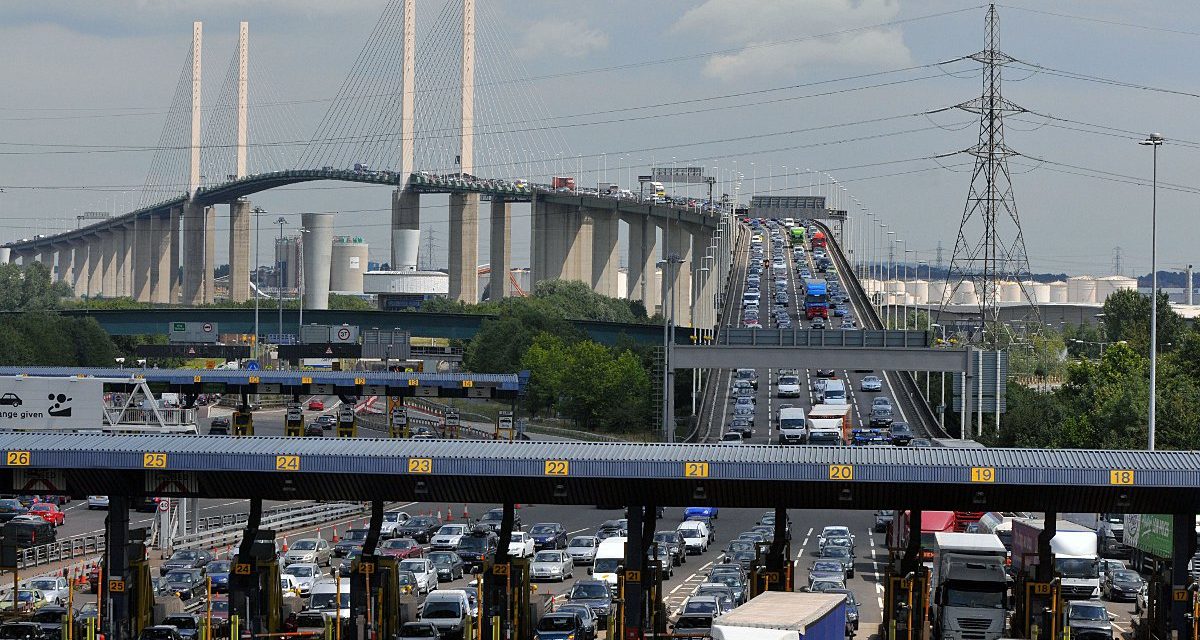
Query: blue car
[703, 512]
[218, 570]
[839, 312]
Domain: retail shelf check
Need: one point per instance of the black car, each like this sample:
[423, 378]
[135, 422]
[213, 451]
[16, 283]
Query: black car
[548, 535]
[596, 595]
[492, 519]
[1121, 584]
[448, 564]
[51, 617]
[419, 528]
[187, 624]
[160, 632]
[901, 434]
[186, 582]
[325, 421]
[559, 626]
[313, 430]
[22, 631]
[186, 559]
[881, 416]
[477, 546]
[825, 373]
[353, 539]
[11, 508]
[219, 426]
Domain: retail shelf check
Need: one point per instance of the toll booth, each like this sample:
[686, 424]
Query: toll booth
[1037, 608]
[294, 420]
[506, 610]
[375, 596]
[772, 569]
[255, 594]
[905, 604]
[243, 422]
[347, 423]
[140, 589]
[398, 422]
[504, 426]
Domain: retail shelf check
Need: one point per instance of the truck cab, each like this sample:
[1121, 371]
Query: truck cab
[970, 586]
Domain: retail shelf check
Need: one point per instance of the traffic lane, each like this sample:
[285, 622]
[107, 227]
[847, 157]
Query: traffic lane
[870, 556]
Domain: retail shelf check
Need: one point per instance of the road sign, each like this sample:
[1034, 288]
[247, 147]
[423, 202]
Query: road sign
[116, 585]
[252, 365]
[164, 505]
[192, 333]
[47, 404]
[343, 334]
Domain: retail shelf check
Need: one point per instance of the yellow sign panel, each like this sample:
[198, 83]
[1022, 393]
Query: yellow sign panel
[287, 463]
[253, 379]
[841, 472]
[557, 468]
[360, 381]
[771, 576]
[500, 569]
[983, 474]
[633, 576]
[305, 380]
[154, 460]
[1120, 476]
[366, 567]
[467, 384]
[1179, 595]
[420, 465]
[116, 585]
[1041, 588]
[695, 469]
[413, 382]
[241, 569]
[17, 459]
[196, 378]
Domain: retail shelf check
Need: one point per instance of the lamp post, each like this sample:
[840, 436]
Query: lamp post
[258, 211]
[279, 274]
[1155, 140]
[891, 254]
[942, 401]
[300, 278]
[668, 301]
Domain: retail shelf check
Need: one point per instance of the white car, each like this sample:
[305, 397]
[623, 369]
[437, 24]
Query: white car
[789, 387]
[291, 588]
[447, 538]
[392, 520]
[424, 571]
[695, 536]
[520, 545]
[97, 502]
[56, 590]
[305, 574]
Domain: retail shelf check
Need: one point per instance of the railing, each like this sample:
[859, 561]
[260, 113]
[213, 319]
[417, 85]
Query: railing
[278, 519]
[73, 547]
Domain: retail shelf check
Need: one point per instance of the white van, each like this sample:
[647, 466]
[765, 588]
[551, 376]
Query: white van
[447, 610]
[609, 557]
[696, 536]
[792, 426]
[323, 597]
[834, 393]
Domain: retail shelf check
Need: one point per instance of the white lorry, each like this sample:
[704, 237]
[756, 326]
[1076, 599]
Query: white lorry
[969, 585]
[1076, 561]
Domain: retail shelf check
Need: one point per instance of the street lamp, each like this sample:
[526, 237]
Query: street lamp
[942, 401]
[1155, 140]
[279, 274]
[668, 298]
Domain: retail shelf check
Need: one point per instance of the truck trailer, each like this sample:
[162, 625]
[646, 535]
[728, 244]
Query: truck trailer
[830, 424]
[1075, 555]
[784, 615]
[816, 299]
[969, 585]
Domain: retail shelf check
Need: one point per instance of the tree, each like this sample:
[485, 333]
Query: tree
[501, 342]
[546, 361]
[1127, 317]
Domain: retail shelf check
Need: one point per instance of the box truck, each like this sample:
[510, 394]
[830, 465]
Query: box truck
[1075, 555]
[969, 585]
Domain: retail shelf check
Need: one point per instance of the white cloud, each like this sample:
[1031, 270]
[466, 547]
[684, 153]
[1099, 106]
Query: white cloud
[561, 37]
[749, 24]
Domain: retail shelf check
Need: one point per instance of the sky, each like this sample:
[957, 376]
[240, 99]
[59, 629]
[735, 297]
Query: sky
[778, 91]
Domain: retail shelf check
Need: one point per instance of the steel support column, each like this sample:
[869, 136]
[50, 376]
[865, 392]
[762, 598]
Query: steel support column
[115, 607]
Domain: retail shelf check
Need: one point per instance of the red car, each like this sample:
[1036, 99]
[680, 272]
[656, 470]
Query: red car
[316, 405]
[401, 548]
[48, 512]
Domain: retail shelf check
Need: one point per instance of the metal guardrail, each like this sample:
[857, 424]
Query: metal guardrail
[865, 338]
[73, 547]
[278, 519]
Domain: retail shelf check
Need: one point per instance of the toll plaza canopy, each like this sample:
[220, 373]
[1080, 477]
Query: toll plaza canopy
[483, 385]
[606, 473]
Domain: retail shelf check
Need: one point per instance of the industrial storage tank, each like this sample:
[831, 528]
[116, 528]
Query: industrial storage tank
[1058, 292]
[348, 263]
[1109, 285]
[1010, 291]
[937, 289]
[965, 293]
[1039, 291]
[894, 286]
[1081, 289]
[919, 290]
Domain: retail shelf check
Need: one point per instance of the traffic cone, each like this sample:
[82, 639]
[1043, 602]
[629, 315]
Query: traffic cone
[439, 515]
[449, 514]
[466, 514]
[335, 535]
[285, 544]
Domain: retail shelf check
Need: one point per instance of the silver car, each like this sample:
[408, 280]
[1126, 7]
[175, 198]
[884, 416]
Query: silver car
[305, 574]
[551, 564]
[309, 550]
[582, 549]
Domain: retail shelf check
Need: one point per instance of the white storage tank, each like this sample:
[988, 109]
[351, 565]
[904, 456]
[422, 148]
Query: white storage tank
[348, 263]
[1010, 291]
[1109, 285]
[1058, 292]
[919, 290]
[1081, 289]
[965, 293]
[1039, 291]
[895, 286]
[937, 289]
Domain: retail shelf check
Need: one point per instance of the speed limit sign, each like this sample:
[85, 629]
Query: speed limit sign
[164, 504]
[343, 334]
[207, 327]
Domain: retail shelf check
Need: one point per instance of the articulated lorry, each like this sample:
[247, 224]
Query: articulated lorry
[816, 299]
[969, 586]
[1076, 561]
[1109, 528]
[1148, 537]
[785, 615]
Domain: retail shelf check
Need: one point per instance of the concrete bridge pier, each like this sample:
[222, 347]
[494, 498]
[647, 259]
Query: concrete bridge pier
[142, 250]
[464, 247]
[239, 250]
[606, 258]
[406, 229]
[643, 254]
[108, 263]
[81, 268]
[124, 234]
[66, 270]
[199, 244]
[94, 265]
[160, 258]
[500, 247]
[46, 257]
[679, 243]
[176, 255]
[578, 237]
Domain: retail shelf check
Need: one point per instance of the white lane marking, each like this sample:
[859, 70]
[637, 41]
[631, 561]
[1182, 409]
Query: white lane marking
[800, 554]
[880, 601]
[705, 566]
[899, 405]
[879, 587]
[571, 533]
[807, 535]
